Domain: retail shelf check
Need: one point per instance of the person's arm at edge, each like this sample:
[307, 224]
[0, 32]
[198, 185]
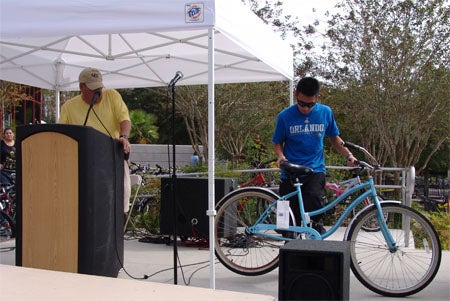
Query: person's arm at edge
[278, 149]
[125, 129]
[337, 144]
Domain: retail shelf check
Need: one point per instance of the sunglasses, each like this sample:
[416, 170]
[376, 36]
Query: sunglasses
[306, 104]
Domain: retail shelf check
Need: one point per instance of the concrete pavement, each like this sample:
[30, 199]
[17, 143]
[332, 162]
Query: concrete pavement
[157, 261]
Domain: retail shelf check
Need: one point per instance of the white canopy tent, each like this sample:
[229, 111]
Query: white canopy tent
[141, 43]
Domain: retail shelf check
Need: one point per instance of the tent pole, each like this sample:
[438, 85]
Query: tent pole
[173, 183]
[58, 76]
[211, 156]
[291, 91]
[58, 102]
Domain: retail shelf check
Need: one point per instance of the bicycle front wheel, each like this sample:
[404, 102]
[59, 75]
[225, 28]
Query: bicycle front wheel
[369, 226]
[408, 269]
[239, 251]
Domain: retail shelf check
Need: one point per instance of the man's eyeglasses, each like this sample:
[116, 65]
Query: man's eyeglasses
[306, 104]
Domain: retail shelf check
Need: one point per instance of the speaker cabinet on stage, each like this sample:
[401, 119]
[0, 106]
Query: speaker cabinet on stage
[314, 270]
[69, 199]
[192, 204]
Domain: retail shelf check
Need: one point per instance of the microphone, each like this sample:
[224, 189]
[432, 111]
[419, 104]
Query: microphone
[178, 75]
[94, 99]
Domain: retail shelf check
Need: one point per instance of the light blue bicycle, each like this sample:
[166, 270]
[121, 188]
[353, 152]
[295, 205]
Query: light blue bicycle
[399, 259]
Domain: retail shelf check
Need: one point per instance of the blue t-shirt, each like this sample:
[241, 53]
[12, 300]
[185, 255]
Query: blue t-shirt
[302, 135]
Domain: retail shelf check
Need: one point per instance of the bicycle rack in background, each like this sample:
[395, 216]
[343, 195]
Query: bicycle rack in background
[407, 185]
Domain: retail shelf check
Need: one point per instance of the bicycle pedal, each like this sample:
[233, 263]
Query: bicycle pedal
[319, 227]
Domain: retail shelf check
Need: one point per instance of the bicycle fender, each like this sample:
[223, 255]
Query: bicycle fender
[239, 190]
[355, 218]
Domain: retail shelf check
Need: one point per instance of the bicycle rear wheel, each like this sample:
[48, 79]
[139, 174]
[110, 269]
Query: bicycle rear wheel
[399, 273]
[240, 252]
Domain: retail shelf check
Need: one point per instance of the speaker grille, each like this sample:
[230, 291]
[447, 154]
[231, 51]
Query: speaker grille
[192, 203]
[311, 286]
[314, 270]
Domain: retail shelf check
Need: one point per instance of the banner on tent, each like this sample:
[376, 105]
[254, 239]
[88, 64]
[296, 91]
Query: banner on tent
[194, 13]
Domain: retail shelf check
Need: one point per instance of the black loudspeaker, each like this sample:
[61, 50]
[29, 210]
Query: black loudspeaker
[314, 270]
[192, 203]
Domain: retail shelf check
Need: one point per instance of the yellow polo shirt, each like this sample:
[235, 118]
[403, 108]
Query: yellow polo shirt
[109, 113]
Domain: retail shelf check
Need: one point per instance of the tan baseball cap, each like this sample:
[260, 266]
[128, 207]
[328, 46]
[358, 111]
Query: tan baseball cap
[92, 78]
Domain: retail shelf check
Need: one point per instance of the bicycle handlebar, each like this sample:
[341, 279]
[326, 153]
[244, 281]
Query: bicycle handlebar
[135, 167]
[270, 161]
[376, 165]
[261, 165]
[365, 164]
[351, 145]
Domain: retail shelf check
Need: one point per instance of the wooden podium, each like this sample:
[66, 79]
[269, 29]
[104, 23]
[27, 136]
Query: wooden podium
[69, 199]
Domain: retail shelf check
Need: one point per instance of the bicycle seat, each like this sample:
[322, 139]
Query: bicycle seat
[295, 169]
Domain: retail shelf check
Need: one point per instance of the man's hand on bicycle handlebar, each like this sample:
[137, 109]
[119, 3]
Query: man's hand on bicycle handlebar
[374, 163]
[280, 160]
[351, 161]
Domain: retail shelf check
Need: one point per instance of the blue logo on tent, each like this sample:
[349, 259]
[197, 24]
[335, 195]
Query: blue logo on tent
[194, 11]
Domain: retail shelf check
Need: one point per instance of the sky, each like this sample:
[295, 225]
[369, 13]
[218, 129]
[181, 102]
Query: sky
[303, 9]
[308, 12]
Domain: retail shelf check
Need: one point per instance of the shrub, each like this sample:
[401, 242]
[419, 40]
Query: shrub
[440, 221]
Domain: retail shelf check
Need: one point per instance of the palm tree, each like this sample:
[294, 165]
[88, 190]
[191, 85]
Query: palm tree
[143, 128]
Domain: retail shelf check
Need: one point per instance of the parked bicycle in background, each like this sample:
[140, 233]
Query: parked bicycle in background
[8, 210]
[259, 179]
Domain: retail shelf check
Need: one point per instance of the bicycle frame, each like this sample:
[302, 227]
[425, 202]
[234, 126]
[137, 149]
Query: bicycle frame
[335, 187]
[349, 183]
[258, 180]
[311, 233]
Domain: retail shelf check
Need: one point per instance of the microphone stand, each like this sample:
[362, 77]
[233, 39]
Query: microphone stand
[173, 195]
[94, 99]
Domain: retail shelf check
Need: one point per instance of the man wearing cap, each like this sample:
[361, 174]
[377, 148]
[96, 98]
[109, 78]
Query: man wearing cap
[110, 116]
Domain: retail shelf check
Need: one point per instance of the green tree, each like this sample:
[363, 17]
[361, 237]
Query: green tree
[388, 64]
[288, 26]
[242, 111]
[157, 101]
[192, 106]
[143, 129]
[12, 95]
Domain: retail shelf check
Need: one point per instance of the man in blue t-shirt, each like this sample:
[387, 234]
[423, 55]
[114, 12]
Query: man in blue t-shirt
[298, 138]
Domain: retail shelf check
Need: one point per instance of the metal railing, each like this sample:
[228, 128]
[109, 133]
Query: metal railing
[407, 179]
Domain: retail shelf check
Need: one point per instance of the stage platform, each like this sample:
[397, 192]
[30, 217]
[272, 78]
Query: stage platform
[36, 284]
[155, 259]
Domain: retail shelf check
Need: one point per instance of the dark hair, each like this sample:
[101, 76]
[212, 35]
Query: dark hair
[308, 86]
[7, 128]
